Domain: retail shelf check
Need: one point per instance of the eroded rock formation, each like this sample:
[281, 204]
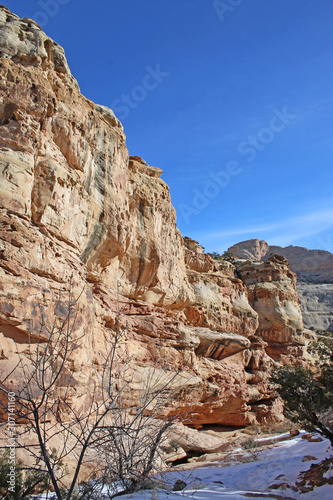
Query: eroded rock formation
[314, 270]
[272, 291]
[74, 203]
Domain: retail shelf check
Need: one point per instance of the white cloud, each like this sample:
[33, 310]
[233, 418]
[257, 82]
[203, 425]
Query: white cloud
[283, 232]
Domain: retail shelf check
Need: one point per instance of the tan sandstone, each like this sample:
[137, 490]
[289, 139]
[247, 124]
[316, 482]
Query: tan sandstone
[74, 203]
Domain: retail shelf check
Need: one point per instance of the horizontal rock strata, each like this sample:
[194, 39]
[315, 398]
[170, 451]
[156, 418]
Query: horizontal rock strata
[74, 205]
[314, 270]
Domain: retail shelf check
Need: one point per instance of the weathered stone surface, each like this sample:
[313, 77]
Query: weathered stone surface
[197, 442]
[317, 305]
[314, 266]
[65, 168]
[23, 41]
[314, 269]
[195, 258]
[218, 345]
[273, 294]
[250, 249]
[220, 298]
[73, 203]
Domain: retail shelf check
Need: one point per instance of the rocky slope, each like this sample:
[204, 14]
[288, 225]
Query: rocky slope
[314, 269]
[73, 203]
[317, 305]
[311, 266]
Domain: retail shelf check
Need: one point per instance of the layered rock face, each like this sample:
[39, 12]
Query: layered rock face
[272, 291]
[317, 305]
[314, 266]
[67, 173]
[220, 298]
[74, 204]
[314, 269]
[250, 249]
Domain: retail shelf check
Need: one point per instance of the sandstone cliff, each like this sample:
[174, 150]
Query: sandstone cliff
[74, 203]
[314, 269]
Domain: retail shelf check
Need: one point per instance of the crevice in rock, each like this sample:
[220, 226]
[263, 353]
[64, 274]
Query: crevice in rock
[49, 51]
[44, 274]
[185, 460]
[20, 336]
[8, 113]
[8, 269]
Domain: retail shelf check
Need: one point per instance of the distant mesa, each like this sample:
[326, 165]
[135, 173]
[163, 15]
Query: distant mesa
[313, 266]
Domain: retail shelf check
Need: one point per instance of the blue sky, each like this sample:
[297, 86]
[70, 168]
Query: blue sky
[231, 98]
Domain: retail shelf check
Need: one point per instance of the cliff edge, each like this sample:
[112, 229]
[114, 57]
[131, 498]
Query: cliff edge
[314, 270]
[74, 205]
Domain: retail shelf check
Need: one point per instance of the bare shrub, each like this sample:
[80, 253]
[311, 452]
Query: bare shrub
[120, 431]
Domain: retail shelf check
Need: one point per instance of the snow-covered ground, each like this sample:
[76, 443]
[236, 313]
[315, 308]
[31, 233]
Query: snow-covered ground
[250, 475]
[278, 465]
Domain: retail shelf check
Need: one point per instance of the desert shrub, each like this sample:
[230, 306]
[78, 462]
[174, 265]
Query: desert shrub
[306, 395]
